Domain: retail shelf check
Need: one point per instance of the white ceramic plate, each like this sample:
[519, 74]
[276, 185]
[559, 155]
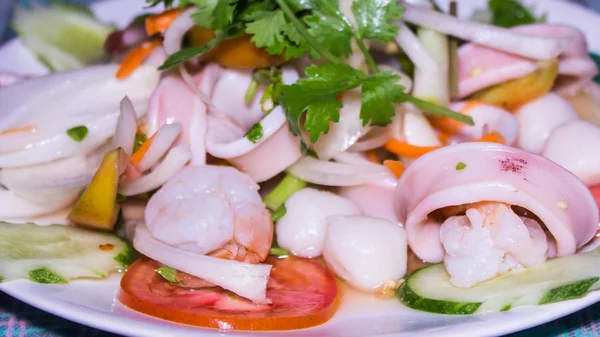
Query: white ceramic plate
[93, 303]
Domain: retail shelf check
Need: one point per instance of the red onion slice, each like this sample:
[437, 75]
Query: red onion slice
[534, 47]
[165, 137]
[173, 162]
[126, 127]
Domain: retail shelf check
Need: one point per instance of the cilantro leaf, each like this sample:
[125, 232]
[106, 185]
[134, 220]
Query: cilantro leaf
[222, 15]
[204, 16]
[374, 18]
[317, 95]
[379, 92]
[268, 30]
[333, 34]
[510, 13]
[189, 53]
[318, 116]
[153, 3]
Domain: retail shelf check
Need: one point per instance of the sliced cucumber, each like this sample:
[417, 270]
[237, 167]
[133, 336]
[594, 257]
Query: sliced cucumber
[63, 37]
[429, 289]
[58, 254]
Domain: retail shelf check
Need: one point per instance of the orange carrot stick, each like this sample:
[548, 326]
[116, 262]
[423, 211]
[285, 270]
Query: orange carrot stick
[135, 58]
[159, 23]
[141, 152]
[404, 149]
[451, 126]
[492, 137]
[395, 166]
[372, 156]
[26, 128]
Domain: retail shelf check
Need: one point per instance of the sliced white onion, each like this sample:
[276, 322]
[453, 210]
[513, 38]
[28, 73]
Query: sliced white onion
[535, 47]
[346, 131]
[165, 137]
[246, 280]
[74, 172]
[7, 79]
[177, 30]
[351, 158]
[338, 174]
[172, 44]
[413, 48]
[173, 162]
[61, 145]
[126, 127]
[376, 137]
[14, 206]
[270, 124]
[592, 245]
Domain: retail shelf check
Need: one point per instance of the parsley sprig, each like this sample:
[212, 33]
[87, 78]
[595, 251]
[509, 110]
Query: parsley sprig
[293, 28]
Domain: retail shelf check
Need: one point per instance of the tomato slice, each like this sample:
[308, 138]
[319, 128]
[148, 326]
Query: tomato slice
[304, 293]
[596, 193]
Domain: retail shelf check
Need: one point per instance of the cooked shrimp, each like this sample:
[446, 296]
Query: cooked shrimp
[212, 210]
[488, 241]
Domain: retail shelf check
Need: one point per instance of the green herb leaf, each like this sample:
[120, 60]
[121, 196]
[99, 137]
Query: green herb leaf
[204, 16]
[121, 197]
[460, 166]
[316, 94]
[78, 133]
[255, 133]
[223, 15]
[510, 13]
[331, 33]
[167, 273]
[268, 32]
[379, 92]
[187, 54]
[374, 18]
[153, 3]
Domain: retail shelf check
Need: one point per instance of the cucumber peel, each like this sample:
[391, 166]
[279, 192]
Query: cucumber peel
[58, 254]
[560, 279]
[62, 37]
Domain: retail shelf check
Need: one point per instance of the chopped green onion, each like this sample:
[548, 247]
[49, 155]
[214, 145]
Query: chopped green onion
[255, 133]
[279, 213]
[279, 251]
[140, 139]
[167, 273]
[460, 166]
[289, 185]
[266, 102]
[251, 92]
[78, 133]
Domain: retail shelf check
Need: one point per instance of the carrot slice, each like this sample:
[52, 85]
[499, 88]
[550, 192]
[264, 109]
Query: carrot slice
[372, 156]
[395, 166]
[141, 152]
[492, 137]
[404, 149]
[159, 23]
[449, 126]
[26, 128]
[135, 58]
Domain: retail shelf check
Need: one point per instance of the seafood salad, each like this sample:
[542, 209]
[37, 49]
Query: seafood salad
[243, 164]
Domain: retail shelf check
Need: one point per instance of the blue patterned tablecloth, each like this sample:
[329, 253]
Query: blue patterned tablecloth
[18, 319]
